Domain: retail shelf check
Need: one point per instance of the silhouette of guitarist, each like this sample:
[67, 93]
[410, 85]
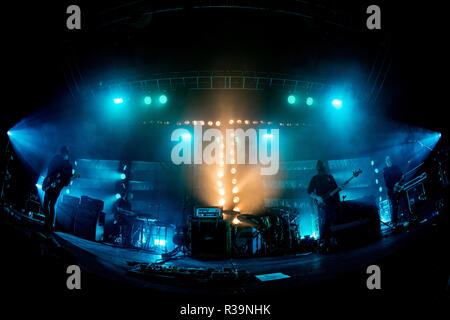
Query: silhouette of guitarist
[329, 208]
[58, 176]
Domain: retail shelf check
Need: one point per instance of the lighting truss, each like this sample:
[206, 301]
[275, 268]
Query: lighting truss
[217, 80]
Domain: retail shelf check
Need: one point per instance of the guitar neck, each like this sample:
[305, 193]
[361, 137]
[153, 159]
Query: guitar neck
[332, 193]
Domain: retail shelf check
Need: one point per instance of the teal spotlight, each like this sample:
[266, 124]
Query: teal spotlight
[291, 99]
[147, 100]
[118, 196]
[118, 100]
[9, 133]
[309, 101]
[337, 103]
[123, 176]
[163, 98]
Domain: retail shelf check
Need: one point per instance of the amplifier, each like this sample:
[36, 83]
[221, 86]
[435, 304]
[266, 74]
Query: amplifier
[208, 212]
[210, 238]
[90, 204]
[70, 201]
[65, 213]
[89, 226]
[83, 218]
[359, 223]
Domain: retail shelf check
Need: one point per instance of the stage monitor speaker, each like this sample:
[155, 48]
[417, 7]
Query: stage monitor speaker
[210, 238]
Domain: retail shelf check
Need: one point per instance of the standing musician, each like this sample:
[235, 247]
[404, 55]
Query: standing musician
[392, 178]
[319, 186]
[122, 222]
[58, 176]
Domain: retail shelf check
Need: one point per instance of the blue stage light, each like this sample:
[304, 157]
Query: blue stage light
[309, 101]
[291, 99]
[9, 133]
[163, 98]
[67, 191]
[118, 100]
[38, 186]
[118, 196]
[337, 103]
[148, 100]
[123, 176]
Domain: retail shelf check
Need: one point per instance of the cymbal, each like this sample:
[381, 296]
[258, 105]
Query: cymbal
[250, 219]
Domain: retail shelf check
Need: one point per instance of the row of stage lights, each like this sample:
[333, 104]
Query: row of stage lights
[309, 101]
[219, 123]
[291, 99]
[162, 99]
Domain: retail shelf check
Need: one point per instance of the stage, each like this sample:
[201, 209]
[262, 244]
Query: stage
[171, 157]
[413, 254]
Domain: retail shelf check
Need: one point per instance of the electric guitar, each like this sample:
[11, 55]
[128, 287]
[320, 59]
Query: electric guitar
[54, 181]
[399, 186]
[321, 200]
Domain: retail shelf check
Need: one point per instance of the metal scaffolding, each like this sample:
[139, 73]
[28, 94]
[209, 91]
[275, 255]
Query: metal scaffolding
[217, 80]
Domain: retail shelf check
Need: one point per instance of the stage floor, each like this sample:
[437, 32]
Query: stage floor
[412, 263]
[300, 270]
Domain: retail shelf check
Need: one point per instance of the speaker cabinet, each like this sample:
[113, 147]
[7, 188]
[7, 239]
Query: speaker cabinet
[90, 204]
[65, 213]
[359, 223]
[82, 218]
[210, 238]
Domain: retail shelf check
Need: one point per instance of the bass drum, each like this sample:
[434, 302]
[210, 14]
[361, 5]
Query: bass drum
[247, 241]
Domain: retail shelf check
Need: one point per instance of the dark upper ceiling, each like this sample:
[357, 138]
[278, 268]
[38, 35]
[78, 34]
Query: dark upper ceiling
[312, 40]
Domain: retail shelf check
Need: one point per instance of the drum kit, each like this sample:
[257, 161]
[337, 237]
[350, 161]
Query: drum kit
[268, 231]
[275, 225]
